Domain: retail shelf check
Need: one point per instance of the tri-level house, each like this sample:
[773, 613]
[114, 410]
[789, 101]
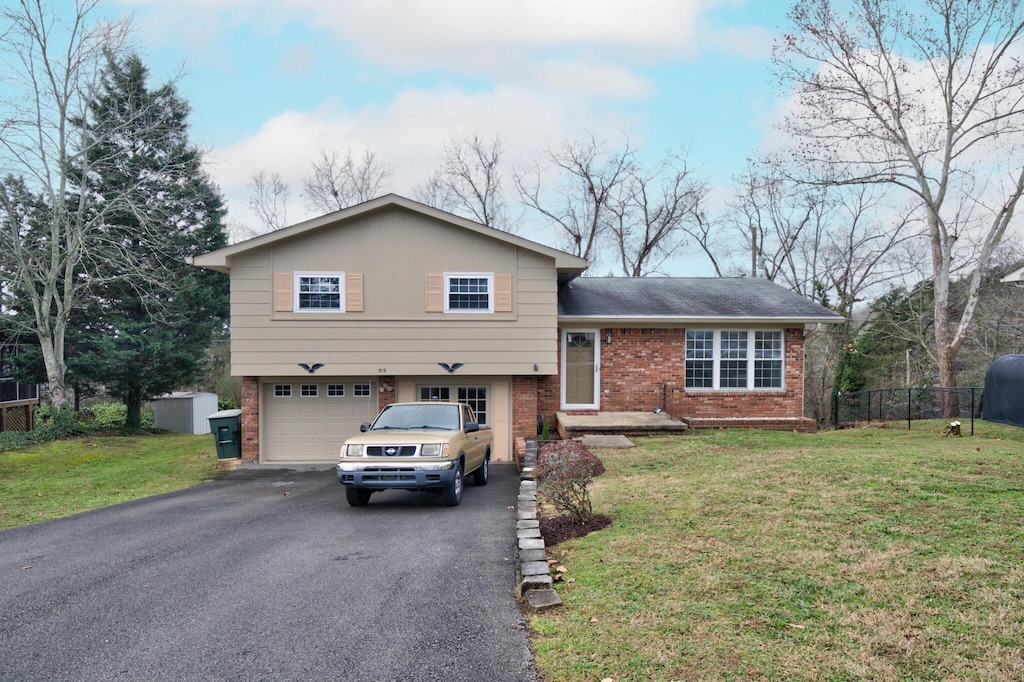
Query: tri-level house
[391, 300]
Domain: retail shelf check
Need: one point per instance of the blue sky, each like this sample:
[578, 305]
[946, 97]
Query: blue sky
[271, 83]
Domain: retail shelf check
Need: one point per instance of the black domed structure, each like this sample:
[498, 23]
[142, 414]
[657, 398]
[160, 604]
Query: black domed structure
[1004, 391]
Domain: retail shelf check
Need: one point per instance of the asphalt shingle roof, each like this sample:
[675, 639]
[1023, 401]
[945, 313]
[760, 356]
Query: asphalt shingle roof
[686, 298]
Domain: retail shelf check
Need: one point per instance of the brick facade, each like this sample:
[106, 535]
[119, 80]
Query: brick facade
[787, 403]
[644, 368]
[385, 392]
[525, 392]
[250, 419]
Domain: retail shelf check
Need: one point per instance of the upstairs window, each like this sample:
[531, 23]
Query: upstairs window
[320, 292]
[469, 292]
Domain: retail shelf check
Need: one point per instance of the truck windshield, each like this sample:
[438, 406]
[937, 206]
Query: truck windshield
[425, 416]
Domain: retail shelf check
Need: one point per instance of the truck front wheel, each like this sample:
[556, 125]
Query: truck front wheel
[481, 475]
[452, 495]
[357, 497]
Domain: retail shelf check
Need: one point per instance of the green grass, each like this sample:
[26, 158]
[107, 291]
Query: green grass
[874, 553]
[71, 476]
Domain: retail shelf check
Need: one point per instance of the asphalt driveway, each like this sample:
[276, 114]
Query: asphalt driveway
[268, 574]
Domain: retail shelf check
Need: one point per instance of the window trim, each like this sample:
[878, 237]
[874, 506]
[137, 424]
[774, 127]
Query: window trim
[328, 388]
[296, 291]
[289, 394]
[303, 390]
[449, 276]
[356, 386]
[751, 361]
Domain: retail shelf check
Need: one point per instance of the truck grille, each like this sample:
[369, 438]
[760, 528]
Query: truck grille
[389, 475]
[390, 450]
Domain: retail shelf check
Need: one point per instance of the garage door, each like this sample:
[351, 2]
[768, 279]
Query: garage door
[308, 421]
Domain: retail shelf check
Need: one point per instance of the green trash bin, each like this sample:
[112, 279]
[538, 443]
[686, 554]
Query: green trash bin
[226, 426]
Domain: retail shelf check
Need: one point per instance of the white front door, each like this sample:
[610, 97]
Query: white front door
[581, 369]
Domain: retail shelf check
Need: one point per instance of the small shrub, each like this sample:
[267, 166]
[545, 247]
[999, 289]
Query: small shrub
[228, 402]
[108, 415]
[564, 471]
[545, 431]
[229, 392]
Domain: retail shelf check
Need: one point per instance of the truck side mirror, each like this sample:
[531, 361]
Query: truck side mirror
[472, 427]
[364, 427]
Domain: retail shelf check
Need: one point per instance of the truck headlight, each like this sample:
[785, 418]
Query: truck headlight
[434, 450]
[353, 451]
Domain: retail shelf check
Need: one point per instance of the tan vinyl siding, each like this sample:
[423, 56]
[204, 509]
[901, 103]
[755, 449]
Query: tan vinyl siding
[395, 250]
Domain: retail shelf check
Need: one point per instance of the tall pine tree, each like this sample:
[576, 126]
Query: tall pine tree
[145, 332]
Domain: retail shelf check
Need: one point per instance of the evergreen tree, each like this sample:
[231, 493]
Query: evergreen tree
[147, 333]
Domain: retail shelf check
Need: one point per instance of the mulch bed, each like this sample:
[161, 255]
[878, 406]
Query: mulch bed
[555, 529]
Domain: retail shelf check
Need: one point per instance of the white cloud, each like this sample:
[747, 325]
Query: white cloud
[590, 80]
[408, 135]
[298, 60]
[473, 36]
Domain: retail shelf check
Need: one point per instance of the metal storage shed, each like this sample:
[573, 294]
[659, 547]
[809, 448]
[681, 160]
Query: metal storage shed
[184, 412]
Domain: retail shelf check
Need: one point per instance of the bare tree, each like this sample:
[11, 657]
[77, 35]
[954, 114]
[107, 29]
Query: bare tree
[769, 215]
[340, 181]
[53, 65]
[268, 199]
[653, 211]
[928, 101]
[468, 182]
[589, 175]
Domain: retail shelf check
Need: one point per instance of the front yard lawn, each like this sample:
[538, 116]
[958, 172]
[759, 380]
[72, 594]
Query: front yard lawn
[880, 554]
[71, 476]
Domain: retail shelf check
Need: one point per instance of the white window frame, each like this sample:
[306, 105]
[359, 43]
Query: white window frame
[304, 394]
[449, 276]
[287, 394]
[340, 394]
[751, 359]
[359, 384]
[296, 290]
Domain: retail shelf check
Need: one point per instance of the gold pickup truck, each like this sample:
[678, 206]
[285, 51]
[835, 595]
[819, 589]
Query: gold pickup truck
[416, 446]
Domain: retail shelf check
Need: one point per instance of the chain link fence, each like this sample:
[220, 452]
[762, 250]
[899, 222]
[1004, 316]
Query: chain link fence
[906, 404]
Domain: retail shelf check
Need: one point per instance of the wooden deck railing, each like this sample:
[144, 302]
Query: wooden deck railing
[18, 415]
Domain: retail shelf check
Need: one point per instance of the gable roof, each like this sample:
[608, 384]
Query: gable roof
[568, 265]
[1015, 277]
[687, 299]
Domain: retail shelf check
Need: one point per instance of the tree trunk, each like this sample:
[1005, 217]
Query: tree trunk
[946, 354]
[133, 401]
[52, 348]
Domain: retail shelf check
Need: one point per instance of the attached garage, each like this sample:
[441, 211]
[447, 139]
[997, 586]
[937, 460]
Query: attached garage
[307, 421]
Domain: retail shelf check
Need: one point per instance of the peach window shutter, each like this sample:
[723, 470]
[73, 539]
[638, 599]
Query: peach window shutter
[435, 293]
[503, 293]
[283, 301]
[354, 292]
